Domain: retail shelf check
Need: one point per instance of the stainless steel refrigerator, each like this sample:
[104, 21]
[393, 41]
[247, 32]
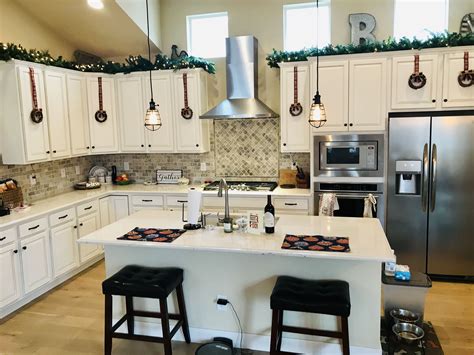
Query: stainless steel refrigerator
[430, 191]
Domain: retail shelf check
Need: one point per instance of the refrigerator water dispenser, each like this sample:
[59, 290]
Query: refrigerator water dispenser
[408, 177]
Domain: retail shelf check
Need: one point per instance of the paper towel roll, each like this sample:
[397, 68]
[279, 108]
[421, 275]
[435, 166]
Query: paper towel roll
[194, 205]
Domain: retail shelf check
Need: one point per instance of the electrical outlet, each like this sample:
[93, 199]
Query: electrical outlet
[126, 166]
[203, 166]
[32, 180]
[78, 170]
[294, 165]
[63, 172]
[219, 306]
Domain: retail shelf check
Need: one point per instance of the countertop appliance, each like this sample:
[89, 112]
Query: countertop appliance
[430, 191]
[244, 186]
[349, 155]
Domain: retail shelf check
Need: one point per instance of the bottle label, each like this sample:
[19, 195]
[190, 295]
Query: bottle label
[269, 219]
[227, 227]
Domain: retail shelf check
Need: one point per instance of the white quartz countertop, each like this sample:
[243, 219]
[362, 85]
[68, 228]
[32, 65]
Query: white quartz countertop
[68, 199]
[366, 237]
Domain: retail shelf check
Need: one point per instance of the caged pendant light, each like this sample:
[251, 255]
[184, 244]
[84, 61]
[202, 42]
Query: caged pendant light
[317, 112]
[152, 116]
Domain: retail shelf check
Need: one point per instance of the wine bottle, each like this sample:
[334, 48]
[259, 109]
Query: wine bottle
[269, 216]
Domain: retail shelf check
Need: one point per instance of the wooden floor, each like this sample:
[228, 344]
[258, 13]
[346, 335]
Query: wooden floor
[69, 320]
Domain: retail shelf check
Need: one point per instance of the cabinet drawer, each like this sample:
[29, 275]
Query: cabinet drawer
[144, 200]
[291, 203]
[7, 236]
[88, 207]
[235, 202]
[176, 201]
[32, 227]
[62, 217]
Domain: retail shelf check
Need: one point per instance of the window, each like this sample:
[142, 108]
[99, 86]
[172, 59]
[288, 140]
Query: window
[417, 18]
[207, 34]
[299, 26]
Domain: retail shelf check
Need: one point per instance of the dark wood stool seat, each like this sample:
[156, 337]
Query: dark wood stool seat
[311, 296]
[148, 282]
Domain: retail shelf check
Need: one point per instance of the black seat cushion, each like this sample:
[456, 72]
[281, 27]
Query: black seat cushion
[141, 281]
[312, 296]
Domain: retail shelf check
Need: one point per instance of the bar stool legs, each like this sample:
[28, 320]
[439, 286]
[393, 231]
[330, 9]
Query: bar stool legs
[108, 325]
[182, 311]
[129, 310]
[165, 325]
[345, 336]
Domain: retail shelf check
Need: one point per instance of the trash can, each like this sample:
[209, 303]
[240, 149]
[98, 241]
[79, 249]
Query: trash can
[215, 348]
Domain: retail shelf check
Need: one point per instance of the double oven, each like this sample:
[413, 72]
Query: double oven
[352, 167]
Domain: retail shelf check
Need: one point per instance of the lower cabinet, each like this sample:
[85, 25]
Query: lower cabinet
[88, 224]
[10, 289]
[64, 248]
[35, 261]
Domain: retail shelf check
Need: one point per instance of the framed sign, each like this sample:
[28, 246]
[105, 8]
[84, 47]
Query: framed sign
[168, 176]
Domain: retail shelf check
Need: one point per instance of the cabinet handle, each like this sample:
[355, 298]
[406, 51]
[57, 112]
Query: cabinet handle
[15, 251]
[291, 204]
[433, 101]
[93, 147]
[62, 217]
[87, 208]
[197, 145]
[54, 151]
[182, 201]
[31, 228]
[284, 144]
[75, 227]
[147, 200]
[345, 124]
[142, 145]
[24, 248]
[351, 124]
[80, 224]
[88, 147]
[47, 152]
[149, 145]
[445, 100]
[2, 239]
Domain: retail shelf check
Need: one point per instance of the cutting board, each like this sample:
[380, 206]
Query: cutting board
[287, 176]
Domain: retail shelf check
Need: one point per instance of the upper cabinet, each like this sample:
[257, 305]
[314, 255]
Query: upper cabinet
[78, 114]
[455, 95]
[295, 104]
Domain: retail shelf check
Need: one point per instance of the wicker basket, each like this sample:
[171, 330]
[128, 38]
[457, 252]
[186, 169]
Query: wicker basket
[12, 198]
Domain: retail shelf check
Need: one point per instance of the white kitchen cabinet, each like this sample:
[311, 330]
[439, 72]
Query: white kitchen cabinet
[86, 225]
[104, 135]
[454, 95]
[35, 261]
[57, 107]
[64, 248]
[192, 135]
[295, 130]
[10, 276]
[131, 111]
[403, 96]
[334, 90]
[78, 114]
[113, 208]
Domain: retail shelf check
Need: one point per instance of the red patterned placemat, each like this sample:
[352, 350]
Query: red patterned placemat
[153, 235]
[316, 242]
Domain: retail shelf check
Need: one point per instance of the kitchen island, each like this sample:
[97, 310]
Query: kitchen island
[243, 268]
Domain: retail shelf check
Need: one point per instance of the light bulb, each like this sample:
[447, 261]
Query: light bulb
[152, 117]
[317, 112]
[96, 4]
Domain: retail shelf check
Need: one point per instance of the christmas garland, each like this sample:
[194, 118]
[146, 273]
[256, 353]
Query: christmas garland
[435, 41]
[9, 51]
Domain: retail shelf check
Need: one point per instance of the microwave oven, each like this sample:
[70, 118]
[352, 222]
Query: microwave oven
[359, 155]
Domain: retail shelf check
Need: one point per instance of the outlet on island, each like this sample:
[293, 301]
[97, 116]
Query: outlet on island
[221, 303]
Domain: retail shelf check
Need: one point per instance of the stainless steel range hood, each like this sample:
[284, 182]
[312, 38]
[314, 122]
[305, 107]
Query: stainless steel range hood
[242, 82]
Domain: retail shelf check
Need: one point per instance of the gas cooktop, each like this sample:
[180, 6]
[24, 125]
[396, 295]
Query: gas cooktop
[243, 186]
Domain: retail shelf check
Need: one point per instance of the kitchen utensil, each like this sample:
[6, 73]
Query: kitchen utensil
[400, 315]
[407, 332]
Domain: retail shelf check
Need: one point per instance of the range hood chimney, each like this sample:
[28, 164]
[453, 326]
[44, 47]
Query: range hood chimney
[242, 82]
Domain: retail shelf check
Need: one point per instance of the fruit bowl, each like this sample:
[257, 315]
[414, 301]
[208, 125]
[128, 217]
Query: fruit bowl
[124, 182]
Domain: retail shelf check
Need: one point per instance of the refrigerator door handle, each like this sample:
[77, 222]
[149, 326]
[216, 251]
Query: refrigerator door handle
[424, 186]
[434, 163]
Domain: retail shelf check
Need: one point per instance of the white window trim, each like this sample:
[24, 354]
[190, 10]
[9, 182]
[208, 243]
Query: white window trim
[189, 31]
[322, 3]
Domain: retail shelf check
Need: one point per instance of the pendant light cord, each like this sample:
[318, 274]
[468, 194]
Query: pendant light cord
[149, 48]
[317, 46]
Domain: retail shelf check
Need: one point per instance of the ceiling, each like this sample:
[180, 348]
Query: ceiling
[108, 33]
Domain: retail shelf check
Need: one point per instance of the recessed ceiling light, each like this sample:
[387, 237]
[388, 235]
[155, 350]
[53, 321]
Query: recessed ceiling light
[96, 4]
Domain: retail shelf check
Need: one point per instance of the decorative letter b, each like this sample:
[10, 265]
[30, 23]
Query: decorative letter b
[362, 26]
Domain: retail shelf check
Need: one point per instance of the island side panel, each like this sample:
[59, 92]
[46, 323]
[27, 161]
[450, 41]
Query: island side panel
[247, 281]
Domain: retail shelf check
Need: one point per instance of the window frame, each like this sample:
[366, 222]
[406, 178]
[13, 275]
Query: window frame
[189, 20]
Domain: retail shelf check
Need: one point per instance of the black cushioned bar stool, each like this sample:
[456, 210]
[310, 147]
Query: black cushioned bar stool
[148, 282]
[311, 296]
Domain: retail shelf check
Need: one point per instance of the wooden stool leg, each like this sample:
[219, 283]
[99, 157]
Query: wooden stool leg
[108, 325]
[280, 331]
[165, 325]
[345, 336]
[130, 318]
[182, 312]
[274, 334]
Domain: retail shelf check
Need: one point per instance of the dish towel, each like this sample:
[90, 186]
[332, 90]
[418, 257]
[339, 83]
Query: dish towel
[369, 205]
[328, 204]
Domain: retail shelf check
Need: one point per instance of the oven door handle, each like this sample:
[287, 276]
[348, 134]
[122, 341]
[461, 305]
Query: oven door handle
[354, 196]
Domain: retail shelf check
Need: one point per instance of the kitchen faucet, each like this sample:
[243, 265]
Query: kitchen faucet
[223, 185]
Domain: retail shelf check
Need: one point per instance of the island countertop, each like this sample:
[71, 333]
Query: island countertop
[366, 237]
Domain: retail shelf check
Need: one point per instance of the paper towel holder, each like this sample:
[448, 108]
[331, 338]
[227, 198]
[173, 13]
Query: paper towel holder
[189, 226]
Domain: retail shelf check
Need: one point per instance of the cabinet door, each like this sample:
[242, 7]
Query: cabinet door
[105, 211]
[403, 96]
[35, 137]
[367, 94]
[119, 208]
[10, 290]
[161, 140]
[295, 130]
[78, 114]
[454, 95]
[104, 135]
[36, 261]
[64, 248]
[87, 225]
[58, 121]
[131, 110]
[334, 90]
[188, 131]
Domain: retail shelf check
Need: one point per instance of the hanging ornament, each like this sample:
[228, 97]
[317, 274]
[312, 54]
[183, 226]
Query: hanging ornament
[36, 114]
[186, 111]
[466, 77]
[417, 80]
[100, 115]
[295, 108]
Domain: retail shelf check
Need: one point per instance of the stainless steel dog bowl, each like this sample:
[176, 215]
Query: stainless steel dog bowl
[408, 332]
[404, 316]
